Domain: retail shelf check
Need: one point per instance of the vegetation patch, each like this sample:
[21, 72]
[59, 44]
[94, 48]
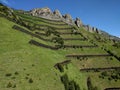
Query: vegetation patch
[90, 85]
[8, 74]
[30, 80]
[60, 66]
[111, 75]
[33, 42]
[100, 69]
[69, 85]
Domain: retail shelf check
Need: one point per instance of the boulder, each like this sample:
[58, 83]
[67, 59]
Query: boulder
[94, 29]
[41, 12]
[68, 19]
[88, 28]
[78, 22]
[57, 14]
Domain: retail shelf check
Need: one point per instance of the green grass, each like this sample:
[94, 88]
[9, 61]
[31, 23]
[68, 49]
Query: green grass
[39, 19]
[101, 83]
[82, 51]
[36, 64]
[77, 42]
[70, 36]
[114, 50]
[96, 62]
[16, 55]
[76, 75]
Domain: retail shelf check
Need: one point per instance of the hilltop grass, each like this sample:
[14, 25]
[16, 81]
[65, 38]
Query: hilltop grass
[39, 19]
[43, 23]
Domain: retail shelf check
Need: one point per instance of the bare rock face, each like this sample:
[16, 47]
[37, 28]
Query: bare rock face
[95, 30]
[68, 19]
[67, 16]
[41, 12]
[88, 28]
[78, 22]
[57, 14]
[92, 29]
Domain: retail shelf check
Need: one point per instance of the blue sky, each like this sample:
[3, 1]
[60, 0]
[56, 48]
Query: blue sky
[103, 14]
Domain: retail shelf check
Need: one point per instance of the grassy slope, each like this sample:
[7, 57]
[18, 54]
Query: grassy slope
[99, 62]
[17, 55]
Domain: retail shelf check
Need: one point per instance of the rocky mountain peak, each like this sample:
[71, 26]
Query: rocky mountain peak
[57, 13]
[41, 11]
[68, 19]
[78, 22]
[67, 16]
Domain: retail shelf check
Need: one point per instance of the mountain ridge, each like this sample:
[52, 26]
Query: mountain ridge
[67, 18]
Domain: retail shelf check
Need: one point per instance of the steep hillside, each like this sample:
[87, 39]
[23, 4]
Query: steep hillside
[44, 54]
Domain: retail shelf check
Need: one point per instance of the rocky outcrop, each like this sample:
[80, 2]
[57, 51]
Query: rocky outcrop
[68, 19]
[42, 12]
[46, 13]
[57, 14]
[78, 22]
[88, 28]
[96, 30]
[92, 29]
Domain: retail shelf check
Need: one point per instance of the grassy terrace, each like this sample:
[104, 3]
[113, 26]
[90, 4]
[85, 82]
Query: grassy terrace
[30, 60]
[71, 36]
[40, 19]
[33, 35]
[82, 51]
[115, 50]
[43, 24]
[17, 12]
[96, 62]
[35, 65]
[64, 30]
[102, 83]
[77, 42]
